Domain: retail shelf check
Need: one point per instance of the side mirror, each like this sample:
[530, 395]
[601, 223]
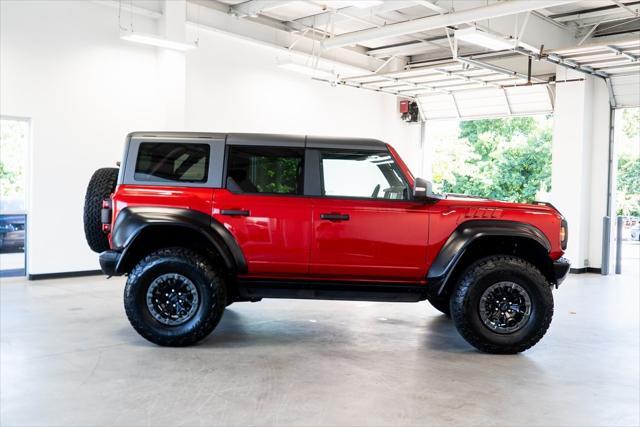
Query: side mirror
[422, 190]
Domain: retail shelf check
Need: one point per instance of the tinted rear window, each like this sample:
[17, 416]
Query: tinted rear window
[276, 170]
[168, 162]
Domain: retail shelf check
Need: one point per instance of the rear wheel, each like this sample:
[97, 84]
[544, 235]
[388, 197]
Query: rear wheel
[502, 304]
[174, 297]
[101, 185]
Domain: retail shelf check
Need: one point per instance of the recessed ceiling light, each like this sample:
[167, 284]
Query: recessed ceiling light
[484, 39]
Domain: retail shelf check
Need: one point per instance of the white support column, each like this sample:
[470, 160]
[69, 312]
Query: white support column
[173, 64]
[580, 163]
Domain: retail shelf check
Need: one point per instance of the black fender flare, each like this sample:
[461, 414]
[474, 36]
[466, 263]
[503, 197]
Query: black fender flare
[468, 232]
[131, 222]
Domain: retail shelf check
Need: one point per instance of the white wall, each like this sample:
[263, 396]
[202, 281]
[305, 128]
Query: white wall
[598, 168]
[63, 65]
[234, 85]
[579, 163]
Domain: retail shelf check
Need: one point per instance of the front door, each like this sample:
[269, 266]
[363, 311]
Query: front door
[262, 206]
[364, 225]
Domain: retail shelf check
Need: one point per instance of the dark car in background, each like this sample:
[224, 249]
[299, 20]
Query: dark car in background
[12, 233]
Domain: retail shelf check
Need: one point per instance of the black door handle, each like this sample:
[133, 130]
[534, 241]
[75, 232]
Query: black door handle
[234, 212]
[334, 217]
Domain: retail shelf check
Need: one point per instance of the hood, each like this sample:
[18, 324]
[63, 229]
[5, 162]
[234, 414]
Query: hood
[483, 202]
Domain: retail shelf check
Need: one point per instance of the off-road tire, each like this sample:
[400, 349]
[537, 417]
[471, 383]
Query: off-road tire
[441, 304]
[101, 185]
[210, 287]
[465, 304]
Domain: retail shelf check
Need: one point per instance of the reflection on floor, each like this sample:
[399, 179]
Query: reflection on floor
[69, 357]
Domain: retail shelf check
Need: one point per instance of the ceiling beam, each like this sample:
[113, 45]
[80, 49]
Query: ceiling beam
[549, 20]
[214, 16]
[497, 69]
[254, 7]
[589, 13]
[625, 7]
[322, 19]
[440, 21]
[622, 52]
[431, 6]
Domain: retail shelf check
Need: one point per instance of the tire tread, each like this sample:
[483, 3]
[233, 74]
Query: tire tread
[102, 184]
[211, 318]
[469, 278]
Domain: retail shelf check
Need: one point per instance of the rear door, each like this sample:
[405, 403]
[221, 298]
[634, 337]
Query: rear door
[364, 226]
[262, 204]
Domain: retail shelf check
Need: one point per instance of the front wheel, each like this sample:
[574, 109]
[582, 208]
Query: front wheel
[502, 304]
[174, 297]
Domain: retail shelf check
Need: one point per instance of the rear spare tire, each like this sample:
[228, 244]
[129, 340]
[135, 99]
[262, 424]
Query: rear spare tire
[101, 185]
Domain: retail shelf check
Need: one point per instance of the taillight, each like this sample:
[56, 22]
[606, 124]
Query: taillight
[564, 234]
[105, 215]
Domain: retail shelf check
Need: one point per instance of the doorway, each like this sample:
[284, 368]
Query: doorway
[627, 140]
[14, 143]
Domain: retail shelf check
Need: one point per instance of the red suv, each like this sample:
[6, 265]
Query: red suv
[202, 220]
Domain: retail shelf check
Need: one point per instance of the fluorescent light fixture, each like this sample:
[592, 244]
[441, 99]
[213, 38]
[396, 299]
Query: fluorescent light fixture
[309, 71]
[363, 4]
[153, 40]
[484, 39]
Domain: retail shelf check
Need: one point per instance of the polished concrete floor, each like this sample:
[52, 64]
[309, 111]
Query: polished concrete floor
[69, 357]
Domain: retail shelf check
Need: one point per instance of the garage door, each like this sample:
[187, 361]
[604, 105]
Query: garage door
[489, 102]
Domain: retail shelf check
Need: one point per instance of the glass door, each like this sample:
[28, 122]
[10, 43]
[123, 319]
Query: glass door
[14, 140]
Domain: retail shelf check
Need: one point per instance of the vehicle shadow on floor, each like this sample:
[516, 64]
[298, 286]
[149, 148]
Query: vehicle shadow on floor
[236, 330]
[441, 335]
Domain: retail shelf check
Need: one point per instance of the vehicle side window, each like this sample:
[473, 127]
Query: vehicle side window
[366, 174]
[276, 170]
[160, 162]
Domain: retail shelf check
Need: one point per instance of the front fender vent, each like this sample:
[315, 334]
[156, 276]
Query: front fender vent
[483, 213]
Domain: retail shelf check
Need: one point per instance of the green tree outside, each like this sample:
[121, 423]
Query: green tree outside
[505, 159]
[13, 137]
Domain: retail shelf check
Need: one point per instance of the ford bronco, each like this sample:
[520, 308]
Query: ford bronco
[198, 221]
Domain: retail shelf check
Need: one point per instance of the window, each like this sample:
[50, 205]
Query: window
[265, 170]
[373, 175]
[161, 162]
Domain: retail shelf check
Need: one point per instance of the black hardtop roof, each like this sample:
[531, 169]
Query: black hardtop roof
[270, 139]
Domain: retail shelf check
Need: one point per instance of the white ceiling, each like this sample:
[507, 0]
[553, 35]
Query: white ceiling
[421, 63]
